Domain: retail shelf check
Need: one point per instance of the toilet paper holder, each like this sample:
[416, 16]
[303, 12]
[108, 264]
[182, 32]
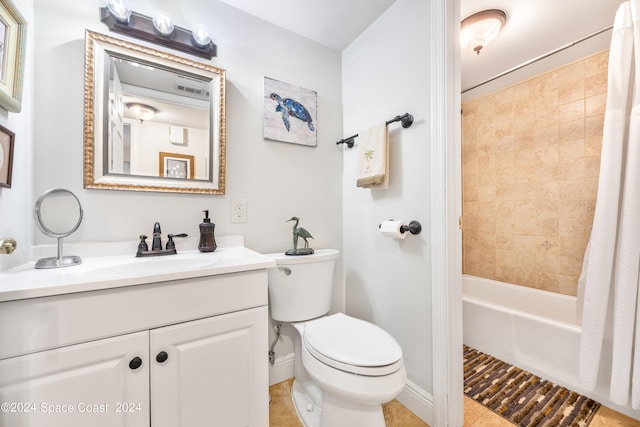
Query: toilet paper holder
[414, 227]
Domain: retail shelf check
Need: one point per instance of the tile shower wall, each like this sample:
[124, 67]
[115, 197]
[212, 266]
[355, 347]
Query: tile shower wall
[531, 158]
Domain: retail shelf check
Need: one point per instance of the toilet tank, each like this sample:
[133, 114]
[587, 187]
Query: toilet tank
[300, 285]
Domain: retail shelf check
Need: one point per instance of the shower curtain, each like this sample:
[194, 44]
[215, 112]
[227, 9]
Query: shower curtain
[609, 280]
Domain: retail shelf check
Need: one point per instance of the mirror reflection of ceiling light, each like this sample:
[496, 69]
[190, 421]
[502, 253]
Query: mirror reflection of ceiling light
[141, 112]
[479, 29]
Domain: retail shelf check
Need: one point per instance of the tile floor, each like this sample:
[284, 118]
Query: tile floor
[283, 414]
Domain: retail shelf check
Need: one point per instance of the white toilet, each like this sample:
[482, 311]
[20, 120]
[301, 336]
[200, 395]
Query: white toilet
[345, 368]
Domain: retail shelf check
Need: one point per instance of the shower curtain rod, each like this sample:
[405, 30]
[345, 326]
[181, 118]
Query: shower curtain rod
[541, 57]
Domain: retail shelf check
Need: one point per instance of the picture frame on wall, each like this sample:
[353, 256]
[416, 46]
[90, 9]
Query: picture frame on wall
[174, 165]
[13, 39]
[6, 156]
[290, 113]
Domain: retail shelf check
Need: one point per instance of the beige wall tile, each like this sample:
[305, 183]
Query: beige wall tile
[574, 149]
[594, 125]
[572, 111]
[505, 241]
[547, 135]
[596, 84]
[523, 227]
[531, 159]
[572, 130]
[547, 116]
[596, 64]
[548, 190]
[547, 227]
[522, 91]
[595, 105]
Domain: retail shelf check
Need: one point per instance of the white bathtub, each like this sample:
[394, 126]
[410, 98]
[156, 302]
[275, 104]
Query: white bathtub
[532, 329]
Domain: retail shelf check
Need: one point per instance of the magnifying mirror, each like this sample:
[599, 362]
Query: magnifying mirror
[58, 213]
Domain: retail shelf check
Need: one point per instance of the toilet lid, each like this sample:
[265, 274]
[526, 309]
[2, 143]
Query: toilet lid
[351, 342]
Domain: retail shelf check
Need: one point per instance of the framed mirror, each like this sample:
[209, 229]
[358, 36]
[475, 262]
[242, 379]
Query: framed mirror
[153, 121]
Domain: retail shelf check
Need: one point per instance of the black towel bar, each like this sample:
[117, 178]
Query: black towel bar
[406, 119]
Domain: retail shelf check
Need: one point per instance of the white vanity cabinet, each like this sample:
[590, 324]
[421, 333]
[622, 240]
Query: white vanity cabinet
[208, 376]
[78, 385]
[182, 353]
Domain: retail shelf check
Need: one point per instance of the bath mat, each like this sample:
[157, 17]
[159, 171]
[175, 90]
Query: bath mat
[523, 398]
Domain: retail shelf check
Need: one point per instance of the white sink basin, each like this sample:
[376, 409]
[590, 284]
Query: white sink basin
[146, 266]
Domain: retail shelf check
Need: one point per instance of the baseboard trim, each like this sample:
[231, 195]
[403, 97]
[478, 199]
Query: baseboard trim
[417, 401]
[282, 369]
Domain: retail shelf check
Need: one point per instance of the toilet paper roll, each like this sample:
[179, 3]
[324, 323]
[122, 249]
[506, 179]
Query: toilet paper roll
[391, 229]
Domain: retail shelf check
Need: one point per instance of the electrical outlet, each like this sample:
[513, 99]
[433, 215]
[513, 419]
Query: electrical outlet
[238, 210]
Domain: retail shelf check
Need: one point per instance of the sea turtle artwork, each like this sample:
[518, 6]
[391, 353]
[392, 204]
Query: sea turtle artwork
[297, 233]
[290, 113]
[291, 108]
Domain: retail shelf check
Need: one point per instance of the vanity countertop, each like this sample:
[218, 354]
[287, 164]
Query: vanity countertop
[96, 273]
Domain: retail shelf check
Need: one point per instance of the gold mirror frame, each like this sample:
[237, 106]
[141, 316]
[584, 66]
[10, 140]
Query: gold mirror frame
[94, 108]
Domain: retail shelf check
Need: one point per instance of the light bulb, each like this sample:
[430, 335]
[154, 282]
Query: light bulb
[201, 35]
[162, 23]
[119, 11]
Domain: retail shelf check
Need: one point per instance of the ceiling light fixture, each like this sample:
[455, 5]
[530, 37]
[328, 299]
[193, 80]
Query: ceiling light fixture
[477, 30]
[141, 112]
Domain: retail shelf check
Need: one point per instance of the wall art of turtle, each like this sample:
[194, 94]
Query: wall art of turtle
[290, 113]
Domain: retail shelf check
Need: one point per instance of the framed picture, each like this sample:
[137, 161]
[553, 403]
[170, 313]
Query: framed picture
[6, 156]
[13, 39]
[290, 113]
[174, 165]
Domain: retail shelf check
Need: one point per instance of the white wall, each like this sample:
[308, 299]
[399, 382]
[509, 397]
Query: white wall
[385, 73]
[15, 202]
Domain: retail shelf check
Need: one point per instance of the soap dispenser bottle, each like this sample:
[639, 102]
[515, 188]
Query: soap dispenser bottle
[207, 238]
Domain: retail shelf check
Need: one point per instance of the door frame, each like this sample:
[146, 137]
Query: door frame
[445, 202]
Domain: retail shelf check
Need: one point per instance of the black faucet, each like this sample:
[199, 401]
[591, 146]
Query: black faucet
[156, 243]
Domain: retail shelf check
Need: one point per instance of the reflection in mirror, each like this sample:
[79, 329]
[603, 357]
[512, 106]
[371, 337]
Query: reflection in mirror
[157, 122]
[58, 213]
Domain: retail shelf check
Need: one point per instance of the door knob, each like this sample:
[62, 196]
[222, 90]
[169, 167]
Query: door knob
[135, 363]
[162, 357]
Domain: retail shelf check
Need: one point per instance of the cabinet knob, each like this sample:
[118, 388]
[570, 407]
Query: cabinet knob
[135, 363]
[162, 357]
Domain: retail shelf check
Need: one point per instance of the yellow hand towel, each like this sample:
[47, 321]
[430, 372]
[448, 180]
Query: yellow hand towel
[373, 157]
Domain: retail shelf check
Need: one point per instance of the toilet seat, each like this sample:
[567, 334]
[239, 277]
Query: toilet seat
[352, 345]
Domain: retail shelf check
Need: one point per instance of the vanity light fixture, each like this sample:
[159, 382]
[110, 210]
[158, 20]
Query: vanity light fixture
[479, 29]
[141, 112]
[159, 29]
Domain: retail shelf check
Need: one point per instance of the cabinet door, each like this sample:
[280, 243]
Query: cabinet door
[215, 372]
[90, 384]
